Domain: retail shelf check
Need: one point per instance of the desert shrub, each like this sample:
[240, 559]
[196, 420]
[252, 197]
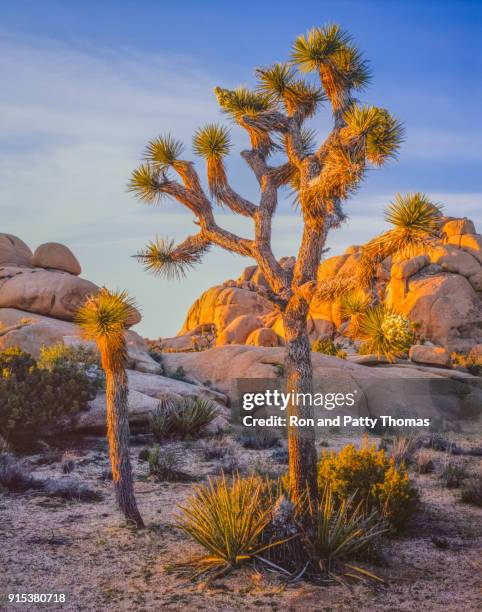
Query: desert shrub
[384, 332]
[183, 419]
[453, 474]
[227, 519]
[70, 488]
[373, 478]
[164, 464]
[471, 491]
[13, 477]
[471, 362]
[280, 455]
[342, 531]
[32, 398]
[179, 374]
[424, 461]
[328, 347]
[258, 438]
[67, 463]
[156, 354]
[81, 357]
[217, 448]
[403, 448]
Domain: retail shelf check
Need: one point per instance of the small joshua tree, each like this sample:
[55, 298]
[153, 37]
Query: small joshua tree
[104, 319]
[322, 175]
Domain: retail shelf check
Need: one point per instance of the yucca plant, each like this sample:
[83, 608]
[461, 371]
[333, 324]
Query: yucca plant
[192, 416]
[342, 531]
[104, 318]
[182, 419]
[353, 305]
[416, 221]
[227, 520]
[385, 333]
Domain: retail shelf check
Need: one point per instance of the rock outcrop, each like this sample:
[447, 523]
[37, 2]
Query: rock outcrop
[56, 256]
[396, 390]
[440, 291]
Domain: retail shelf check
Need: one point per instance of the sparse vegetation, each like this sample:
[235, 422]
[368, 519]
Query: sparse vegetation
[424, 461]
[470, 361]
[453, 473]
[258, 438]
[471, 491]
[188, 418]
[217, 448]
[164, 464]
[227, 519]
[328, 347]
[33, 399]
[342, 532]
[373, 478]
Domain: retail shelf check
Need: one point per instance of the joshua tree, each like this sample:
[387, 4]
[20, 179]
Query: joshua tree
[104, 318]
[321, 175]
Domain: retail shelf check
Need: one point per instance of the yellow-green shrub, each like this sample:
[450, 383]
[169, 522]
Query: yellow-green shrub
[372, 477]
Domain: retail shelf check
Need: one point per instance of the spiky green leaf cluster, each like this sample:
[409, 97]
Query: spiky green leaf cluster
[145, 182]
[227, 520]
[163, 151]
[414, 212]
[383, 133]
[212, 141]
[385, 332]
[274, 81]
[241, 101]
[106, 315]
[416, 222]
[342, 529]
[330, 51]
[163, 258]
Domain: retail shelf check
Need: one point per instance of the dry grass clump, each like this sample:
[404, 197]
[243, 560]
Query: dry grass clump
[452, 474]
[13, 477]
[423, 461]
[471, 492]
[259, 438]
[164, 464]
[219, 447]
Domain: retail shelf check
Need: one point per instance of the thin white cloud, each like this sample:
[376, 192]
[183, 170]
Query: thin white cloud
[74, 123]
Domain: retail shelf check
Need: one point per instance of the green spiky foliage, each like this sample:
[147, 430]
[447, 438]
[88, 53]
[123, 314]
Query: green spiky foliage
[163, 152]
[144, 182]
[416, 220]
[353, 305]
[385, 332]
[103, 318]
[241, 102]
[213, 142]
[164, 258]
[382, 133]
[227, 520]
[280, 85]
[342, 530]
[330, 52]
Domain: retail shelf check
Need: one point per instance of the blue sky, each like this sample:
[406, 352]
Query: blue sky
[86, 84]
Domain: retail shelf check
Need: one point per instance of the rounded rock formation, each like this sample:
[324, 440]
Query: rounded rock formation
[56, 256]
[14, 252]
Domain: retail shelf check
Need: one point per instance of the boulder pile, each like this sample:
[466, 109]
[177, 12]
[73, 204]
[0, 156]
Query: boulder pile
[440, 291]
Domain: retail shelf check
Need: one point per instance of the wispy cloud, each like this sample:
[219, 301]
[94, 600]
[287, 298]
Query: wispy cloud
[74, 124]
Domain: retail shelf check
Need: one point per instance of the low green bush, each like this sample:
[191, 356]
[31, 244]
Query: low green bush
[373, 478]
[69, 357]
[32, 398]
[328, 347]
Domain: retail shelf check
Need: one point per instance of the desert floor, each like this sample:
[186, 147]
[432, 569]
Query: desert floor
[82, 549]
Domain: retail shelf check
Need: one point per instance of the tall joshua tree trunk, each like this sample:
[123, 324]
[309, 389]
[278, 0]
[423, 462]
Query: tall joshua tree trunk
[299, 380]
[118, 438]
[104, 318]
[322, 175]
